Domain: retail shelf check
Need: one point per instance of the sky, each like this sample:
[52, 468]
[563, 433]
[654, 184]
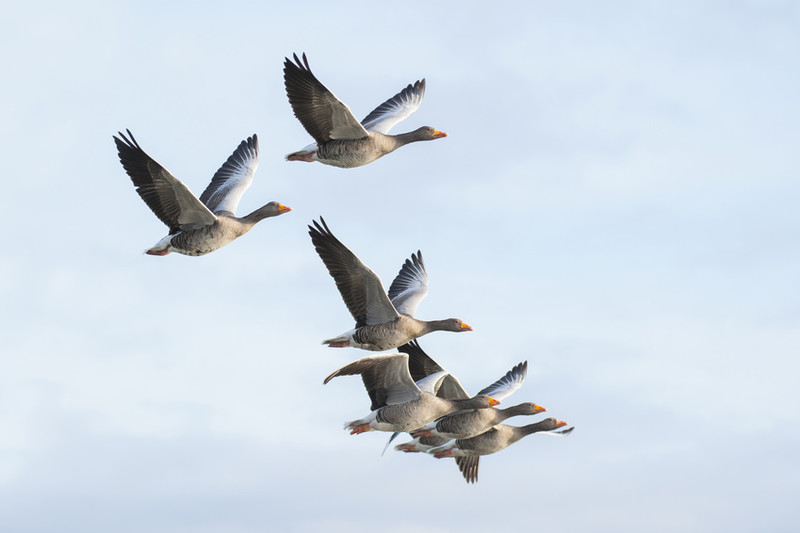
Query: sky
[616, 203]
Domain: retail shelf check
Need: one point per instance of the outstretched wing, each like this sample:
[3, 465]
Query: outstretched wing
[385, 377]
[505, 386]
[396, 108]
[232, 179]
[324, 116]
[171, 201]
[410, 286]
[360, 288]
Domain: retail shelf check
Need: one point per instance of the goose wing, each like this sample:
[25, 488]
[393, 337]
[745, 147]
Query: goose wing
[396, 108]
[431, 384]
[505, 386]
[360, 288]
[385, 377]
[324, 116]
[410, 286]
[171, 201]
[232, 179]
[421, 366]
[468, 465]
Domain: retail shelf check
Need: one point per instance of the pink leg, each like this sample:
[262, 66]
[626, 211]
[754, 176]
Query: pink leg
[340, 344]
[361, 428]
[165, 251]
[447, 453]
[301, 157]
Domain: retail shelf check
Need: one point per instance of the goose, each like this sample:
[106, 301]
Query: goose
[340, 139]
[470, 424]
[383, 321]
[499, 437]
[420, 365]
[398, 403]
[196, 227]
[466, 424]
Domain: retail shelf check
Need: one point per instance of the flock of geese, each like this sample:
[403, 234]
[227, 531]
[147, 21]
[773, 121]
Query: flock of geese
[409, 391]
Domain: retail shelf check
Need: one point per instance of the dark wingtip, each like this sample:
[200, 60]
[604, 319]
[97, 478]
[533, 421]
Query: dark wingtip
[298, 63]
[522, 368]
[128, 141]
[469, 468]
[318, 229]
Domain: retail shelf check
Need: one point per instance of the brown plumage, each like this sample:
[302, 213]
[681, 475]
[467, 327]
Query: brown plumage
[397, 402]
[379, 324]
[196, 226]
[340, 139]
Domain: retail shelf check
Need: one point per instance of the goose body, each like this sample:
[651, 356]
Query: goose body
[499, 437]
[340, 139]
[196, 226]
[383, 321]
[399, 403]
[389, 335]
[466, 424]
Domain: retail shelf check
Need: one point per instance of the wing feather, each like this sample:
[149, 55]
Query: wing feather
[324, 116]
[385, 377]
[171, 201]
[410, 286]
[468, 465]
[511, 381]
[360, 288]
[395, 109]
[233, 178]
[421, 365]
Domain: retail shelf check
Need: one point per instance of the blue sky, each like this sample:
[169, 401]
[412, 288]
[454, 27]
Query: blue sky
[616, 203]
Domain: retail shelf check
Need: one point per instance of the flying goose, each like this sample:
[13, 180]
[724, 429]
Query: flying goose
[466, 424]
[340, 139]
[473, 421]
[398, 403]
[383, 321]
[196, 227]
[497, 438]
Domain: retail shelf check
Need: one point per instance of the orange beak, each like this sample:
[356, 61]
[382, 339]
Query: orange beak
[560, 423]
[465, 327]
[437, 134]
[283, 208]
[493, 402]
[538, 409]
